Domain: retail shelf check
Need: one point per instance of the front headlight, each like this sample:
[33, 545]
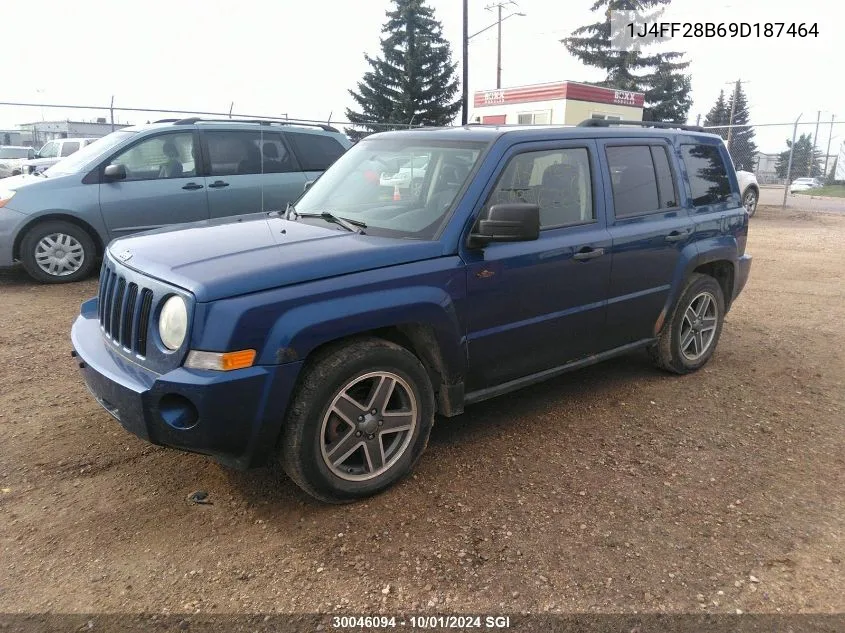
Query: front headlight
[5, 196]
[173, 322]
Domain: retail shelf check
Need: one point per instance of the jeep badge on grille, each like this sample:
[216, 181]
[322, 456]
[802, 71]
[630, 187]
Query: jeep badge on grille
[125, 256]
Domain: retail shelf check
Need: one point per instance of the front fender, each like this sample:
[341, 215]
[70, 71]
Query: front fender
[300, 330]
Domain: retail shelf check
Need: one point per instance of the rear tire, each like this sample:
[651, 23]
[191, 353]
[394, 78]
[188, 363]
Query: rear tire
[58, 252]
[333, 446]
[690, 335]
[750, 200]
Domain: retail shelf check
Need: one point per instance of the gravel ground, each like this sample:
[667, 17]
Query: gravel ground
[616, 489]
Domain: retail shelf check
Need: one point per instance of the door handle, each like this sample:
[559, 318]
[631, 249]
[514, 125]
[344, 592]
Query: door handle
[191, 186]
[588, 253]
[218, 184]
[677, 236]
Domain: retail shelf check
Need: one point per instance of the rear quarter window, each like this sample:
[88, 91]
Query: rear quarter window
[315, 152]
[708, 175]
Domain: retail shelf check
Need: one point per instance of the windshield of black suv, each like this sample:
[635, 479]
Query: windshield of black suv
[81, 159]
[397, 187]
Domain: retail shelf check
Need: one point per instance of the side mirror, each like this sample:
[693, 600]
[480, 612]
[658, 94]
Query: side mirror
[308, 185]
[115, 172]
[512, 222]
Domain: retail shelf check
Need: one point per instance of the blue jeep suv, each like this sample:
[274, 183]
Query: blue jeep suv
[330, 335]
[57, 223]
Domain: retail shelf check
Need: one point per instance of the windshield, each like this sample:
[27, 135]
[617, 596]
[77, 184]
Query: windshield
[365, 184]
[80, 159]
[14, 152]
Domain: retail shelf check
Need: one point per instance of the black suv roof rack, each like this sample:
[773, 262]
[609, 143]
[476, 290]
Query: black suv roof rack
[660, 124]
[196, 119]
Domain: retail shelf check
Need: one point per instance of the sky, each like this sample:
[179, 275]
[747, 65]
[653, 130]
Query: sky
[295, 58]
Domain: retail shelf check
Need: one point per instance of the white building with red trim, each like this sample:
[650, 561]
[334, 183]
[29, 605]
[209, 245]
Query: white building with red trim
[563, 102]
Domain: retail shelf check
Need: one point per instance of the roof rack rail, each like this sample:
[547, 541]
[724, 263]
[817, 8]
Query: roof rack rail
[659, 124]
[166, 121]
[196, 119]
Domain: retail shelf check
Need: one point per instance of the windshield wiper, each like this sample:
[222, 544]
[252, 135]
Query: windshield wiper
[353, 226]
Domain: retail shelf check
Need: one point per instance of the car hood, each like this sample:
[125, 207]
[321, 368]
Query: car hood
[38, 162]
[224, 258]
[18, 183]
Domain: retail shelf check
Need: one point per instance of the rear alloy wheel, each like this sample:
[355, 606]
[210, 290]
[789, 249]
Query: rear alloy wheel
[749, 201]
[359, 422]
[58, 252]
[690, 335]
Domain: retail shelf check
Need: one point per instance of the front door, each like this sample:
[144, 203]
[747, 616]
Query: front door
[161, 185]
[250, 172]
[532, 306]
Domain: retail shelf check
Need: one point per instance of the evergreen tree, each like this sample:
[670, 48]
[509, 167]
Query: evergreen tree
[719, 115]
[667, 96]
[742, 148]
[831, 177]
[806, 160]
[659, 75]
[413, 80]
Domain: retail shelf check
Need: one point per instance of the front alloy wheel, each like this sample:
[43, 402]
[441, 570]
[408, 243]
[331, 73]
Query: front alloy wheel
[368, 426]
[359, 420]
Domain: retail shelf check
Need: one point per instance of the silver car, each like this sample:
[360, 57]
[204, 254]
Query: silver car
[57, 223]
[13, 158]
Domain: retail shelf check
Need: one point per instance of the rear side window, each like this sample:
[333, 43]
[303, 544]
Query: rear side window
[634, 180]
[708, 176]
[315, 151]
[242, 153]
[69, 148]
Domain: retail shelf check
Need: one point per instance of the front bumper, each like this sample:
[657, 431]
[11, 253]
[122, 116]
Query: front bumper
[235, 417]
[10, 223]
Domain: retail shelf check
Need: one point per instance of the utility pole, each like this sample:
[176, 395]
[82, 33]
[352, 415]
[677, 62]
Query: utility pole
[499, 6]
[733, 109]
[829, 139]
[813, 149]
[465, 87]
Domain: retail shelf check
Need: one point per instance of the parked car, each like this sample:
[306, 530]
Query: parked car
[135, 179]
[53, 151]
[12, 157]
[749, 189]
[409, 176]
[330, 336]
[803, 184]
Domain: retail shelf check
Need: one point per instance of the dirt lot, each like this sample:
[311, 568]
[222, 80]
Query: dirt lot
[615, 489]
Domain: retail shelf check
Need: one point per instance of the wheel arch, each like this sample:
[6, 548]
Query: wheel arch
[56, 216]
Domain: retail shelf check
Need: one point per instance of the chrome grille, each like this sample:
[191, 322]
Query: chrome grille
[124, 318]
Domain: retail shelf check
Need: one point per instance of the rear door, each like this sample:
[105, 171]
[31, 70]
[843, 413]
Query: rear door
[315, 152]
[649, 228]
[161, 185]
[249, 171]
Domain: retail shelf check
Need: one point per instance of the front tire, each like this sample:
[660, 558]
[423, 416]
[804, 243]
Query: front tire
[690, 336]
[57, 252]
[359, 421]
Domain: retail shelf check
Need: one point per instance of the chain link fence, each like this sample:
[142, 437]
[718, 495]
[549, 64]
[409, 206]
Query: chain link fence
[37, 123]
[779, 153]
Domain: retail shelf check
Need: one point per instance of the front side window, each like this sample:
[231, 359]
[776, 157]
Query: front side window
[708, 177]
[69, 147]
[558, 181]
[159, 157]
[316, 152]
[399, 187]
[49, 150]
